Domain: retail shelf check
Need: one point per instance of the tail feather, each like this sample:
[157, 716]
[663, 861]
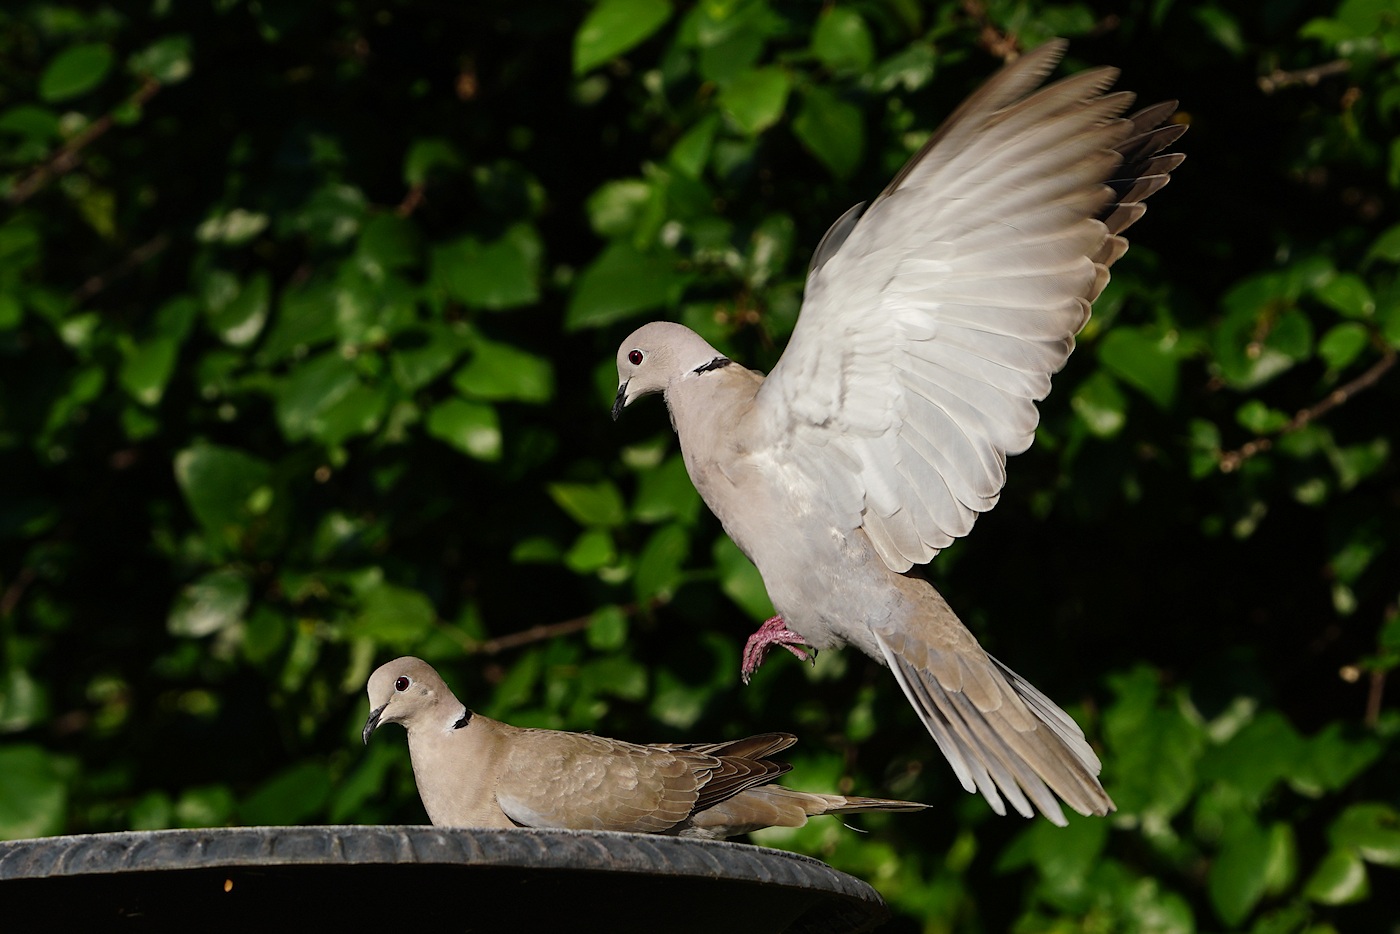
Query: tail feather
[776, 806]
[993, 750]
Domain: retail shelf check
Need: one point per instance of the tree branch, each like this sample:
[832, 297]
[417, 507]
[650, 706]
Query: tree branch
[1278, 78]
[540, 633]
[66, 158]
[1230, 461]
[95, 284]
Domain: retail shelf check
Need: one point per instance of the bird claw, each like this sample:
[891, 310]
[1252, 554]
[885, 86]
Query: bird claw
[773, 632]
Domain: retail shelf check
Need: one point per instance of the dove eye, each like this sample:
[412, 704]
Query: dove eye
[635, 358]
[402, 684]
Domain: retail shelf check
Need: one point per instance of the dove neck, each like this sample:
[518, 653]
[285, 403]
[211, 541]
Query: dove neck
[463, 720]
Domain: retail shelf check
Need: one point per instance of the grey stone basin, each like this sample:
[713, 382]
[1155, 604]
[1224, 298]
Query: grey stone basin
[351, 878]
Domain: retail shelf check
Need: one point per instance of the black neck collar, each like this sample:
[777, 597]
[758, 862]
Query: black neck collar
[466, 718]
[714, 364]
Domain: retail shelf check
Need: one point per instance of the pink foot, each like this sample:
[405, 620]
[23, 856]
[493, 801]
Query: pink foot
[773, 632]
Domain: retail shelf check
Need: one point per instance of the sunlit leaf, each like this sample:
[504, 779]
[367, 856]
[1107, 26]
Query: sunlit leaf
[756, 99]
[623, 282]
[471, 427]
[613, 27]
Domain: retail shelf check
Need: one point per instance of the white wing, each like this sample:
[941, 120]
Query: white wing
[933, 322]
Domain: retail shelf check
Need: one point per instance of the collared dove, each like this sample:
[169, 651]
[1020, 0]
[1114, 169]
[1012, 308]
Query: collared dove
[476, 772]
[932, 322]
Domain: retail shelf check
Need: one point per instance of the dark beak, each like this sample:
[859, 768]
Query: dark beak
[621, 401]
[372, 722]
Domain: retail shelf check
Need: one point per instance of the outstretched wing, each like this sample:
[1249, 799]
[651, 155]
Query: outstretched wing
[934, 319]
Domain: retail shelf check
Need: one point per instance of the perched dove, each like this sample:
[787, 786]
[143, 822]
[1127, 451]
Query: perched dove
[932, 322]
[475, 772]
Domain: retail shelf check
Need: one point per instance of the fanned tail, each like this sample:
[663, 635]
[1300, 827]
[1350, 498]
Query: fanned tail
[1001, 735]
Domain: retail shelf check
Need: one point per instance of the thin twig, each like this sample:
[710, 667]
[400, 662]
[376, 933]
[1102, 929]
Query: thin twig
[1278, 78]
[67, 156]
[15, 591]
[1373, 698]
[1230, 461]
[1003, 45]
[146, 251]
[540, 633]
[411, 200]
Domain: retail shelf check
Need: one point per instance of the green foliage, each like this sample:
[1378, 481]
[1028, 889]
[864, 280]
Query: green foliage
[305, 370]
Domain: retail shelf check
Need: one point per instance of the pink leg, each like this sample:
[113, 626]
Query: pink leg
[773, 632]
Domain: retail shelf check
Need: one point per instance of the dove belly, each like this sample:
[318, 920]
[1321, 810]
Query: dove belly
[827, 582]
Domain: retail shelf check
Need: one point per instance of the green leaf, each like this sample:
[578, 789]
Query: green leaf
[617, 676]
[224, 487]
[392, 616]
[1348, 295]
[592, 551]
[740, 580]
[1142, 361]
[305, 318]
[146, 368]
[310, 391]
[387, 243]
[665, 492]
[615, 26]
[419, 358]
[233, 227]
[1340, 879]
[35, 802]
[756, 99]
[590, 503]
[1100, 405]
[1221, 26]
[503, 372]
[237, 314]
[1257, 417]
[24, 701]
[658, 570]
[38, 123]
[1356, 462]
[616, 208]
[214, 602]
[907, 70]
[74, 71]
[1239, 874]
[1342, 344]
[295, 795]
[471, 427]
[1370, 829]
[620, 283]
[607, 629]
[692, 151]
[426, 155]
[831, 129]
[332, 214]
[1264, 751]
[358, 412]
[501, 274]
[842, 41]
[166, 60]
[1386, 247]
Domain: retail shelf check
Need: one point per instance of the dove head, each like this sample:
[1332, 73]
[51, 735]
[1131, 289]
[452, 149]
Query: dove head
[656, 355]
[408, 691]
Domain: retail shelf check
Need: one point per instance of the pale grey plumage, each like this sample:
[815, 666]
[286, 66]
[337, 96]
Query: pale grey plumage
[931, 325]
[472, 771]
